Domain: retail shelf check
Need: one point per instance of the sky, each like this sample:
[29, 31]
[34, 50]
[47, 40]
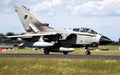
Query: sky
[102, 16]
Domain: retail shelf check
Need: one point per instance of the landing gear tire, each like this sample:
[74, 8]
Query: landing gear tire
[87, 52]
[65, 53]
[46, 52]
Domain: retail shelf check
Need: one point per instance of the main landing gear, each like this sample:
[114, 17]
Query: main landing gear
[46, 51]
[65, 53]
[87, 52]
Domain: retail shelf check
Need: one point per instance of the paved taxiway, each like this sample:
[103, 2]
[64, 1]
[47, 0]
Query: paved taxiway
[69, 56]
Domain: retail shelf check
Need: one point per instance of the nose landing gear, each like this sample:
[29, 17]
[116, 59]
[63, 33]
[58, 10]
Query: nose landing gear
[87, 52]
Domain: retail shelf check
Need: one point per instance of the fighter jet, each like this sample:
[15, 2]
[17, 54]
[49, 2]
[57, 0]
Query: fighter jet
[41, 35]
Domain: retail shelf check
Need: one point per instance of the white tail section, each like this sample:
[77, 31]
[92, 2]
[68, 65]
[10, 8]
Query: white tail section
[30, 23]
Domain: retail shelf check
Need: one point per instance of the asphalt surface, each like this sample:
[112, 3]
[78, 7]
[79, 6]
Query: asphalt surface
[69, 56]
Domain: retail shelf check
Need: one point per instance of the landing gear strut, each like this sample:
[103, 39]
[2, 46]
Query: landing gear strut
[87, 52]
[65, 53]
[46, 51]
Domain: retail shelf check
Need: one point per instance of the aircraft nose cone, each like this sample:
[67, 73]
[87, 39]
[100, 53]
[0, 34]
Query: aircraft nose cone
[105, 40]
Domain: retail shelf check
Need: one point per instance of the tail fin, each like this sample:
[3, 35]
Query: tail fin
[30, 23]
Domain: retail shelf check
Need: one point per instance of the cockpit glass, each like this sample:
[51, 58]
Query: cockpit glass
[87, 30]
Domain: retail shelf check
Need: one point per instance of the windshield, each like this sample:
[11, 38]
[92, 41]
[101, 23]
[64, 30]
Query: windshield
[87, 30]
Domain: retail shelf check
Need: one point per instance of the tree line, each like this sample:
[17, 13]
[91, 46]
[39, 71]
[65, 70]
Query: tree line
[4, 39]
[116, 42]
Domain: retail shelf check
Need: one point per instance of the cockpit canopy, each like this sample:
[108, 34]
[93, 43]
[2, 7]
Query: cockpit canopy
[87, 30]
[26, 8]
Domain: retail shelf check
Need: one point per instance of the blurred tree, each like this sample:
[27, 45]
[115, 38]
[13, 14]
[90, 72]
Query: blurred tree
[10, 34]
[1, 37]
[7, 40]
[119, 39]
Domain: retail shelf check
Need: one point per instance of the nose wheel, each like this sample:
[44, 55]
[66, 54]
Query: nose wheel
[87, 52]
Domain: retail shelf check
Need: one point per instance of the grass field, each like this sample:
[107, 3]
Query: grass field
[54, 66]
[60, 66]
[113, 50]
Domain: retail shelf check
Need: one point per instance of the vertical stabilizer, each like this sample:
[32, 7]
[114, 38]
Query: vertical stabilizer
[30, 23]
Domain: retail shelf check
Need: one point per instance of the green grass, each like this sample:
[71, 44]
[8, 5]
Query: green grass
[113, 50]
[54, 66]
[60, 66]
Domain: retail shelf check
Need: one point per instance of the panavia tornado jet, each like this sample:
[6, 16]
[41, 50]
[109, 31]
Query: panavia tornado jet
[41, 35]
